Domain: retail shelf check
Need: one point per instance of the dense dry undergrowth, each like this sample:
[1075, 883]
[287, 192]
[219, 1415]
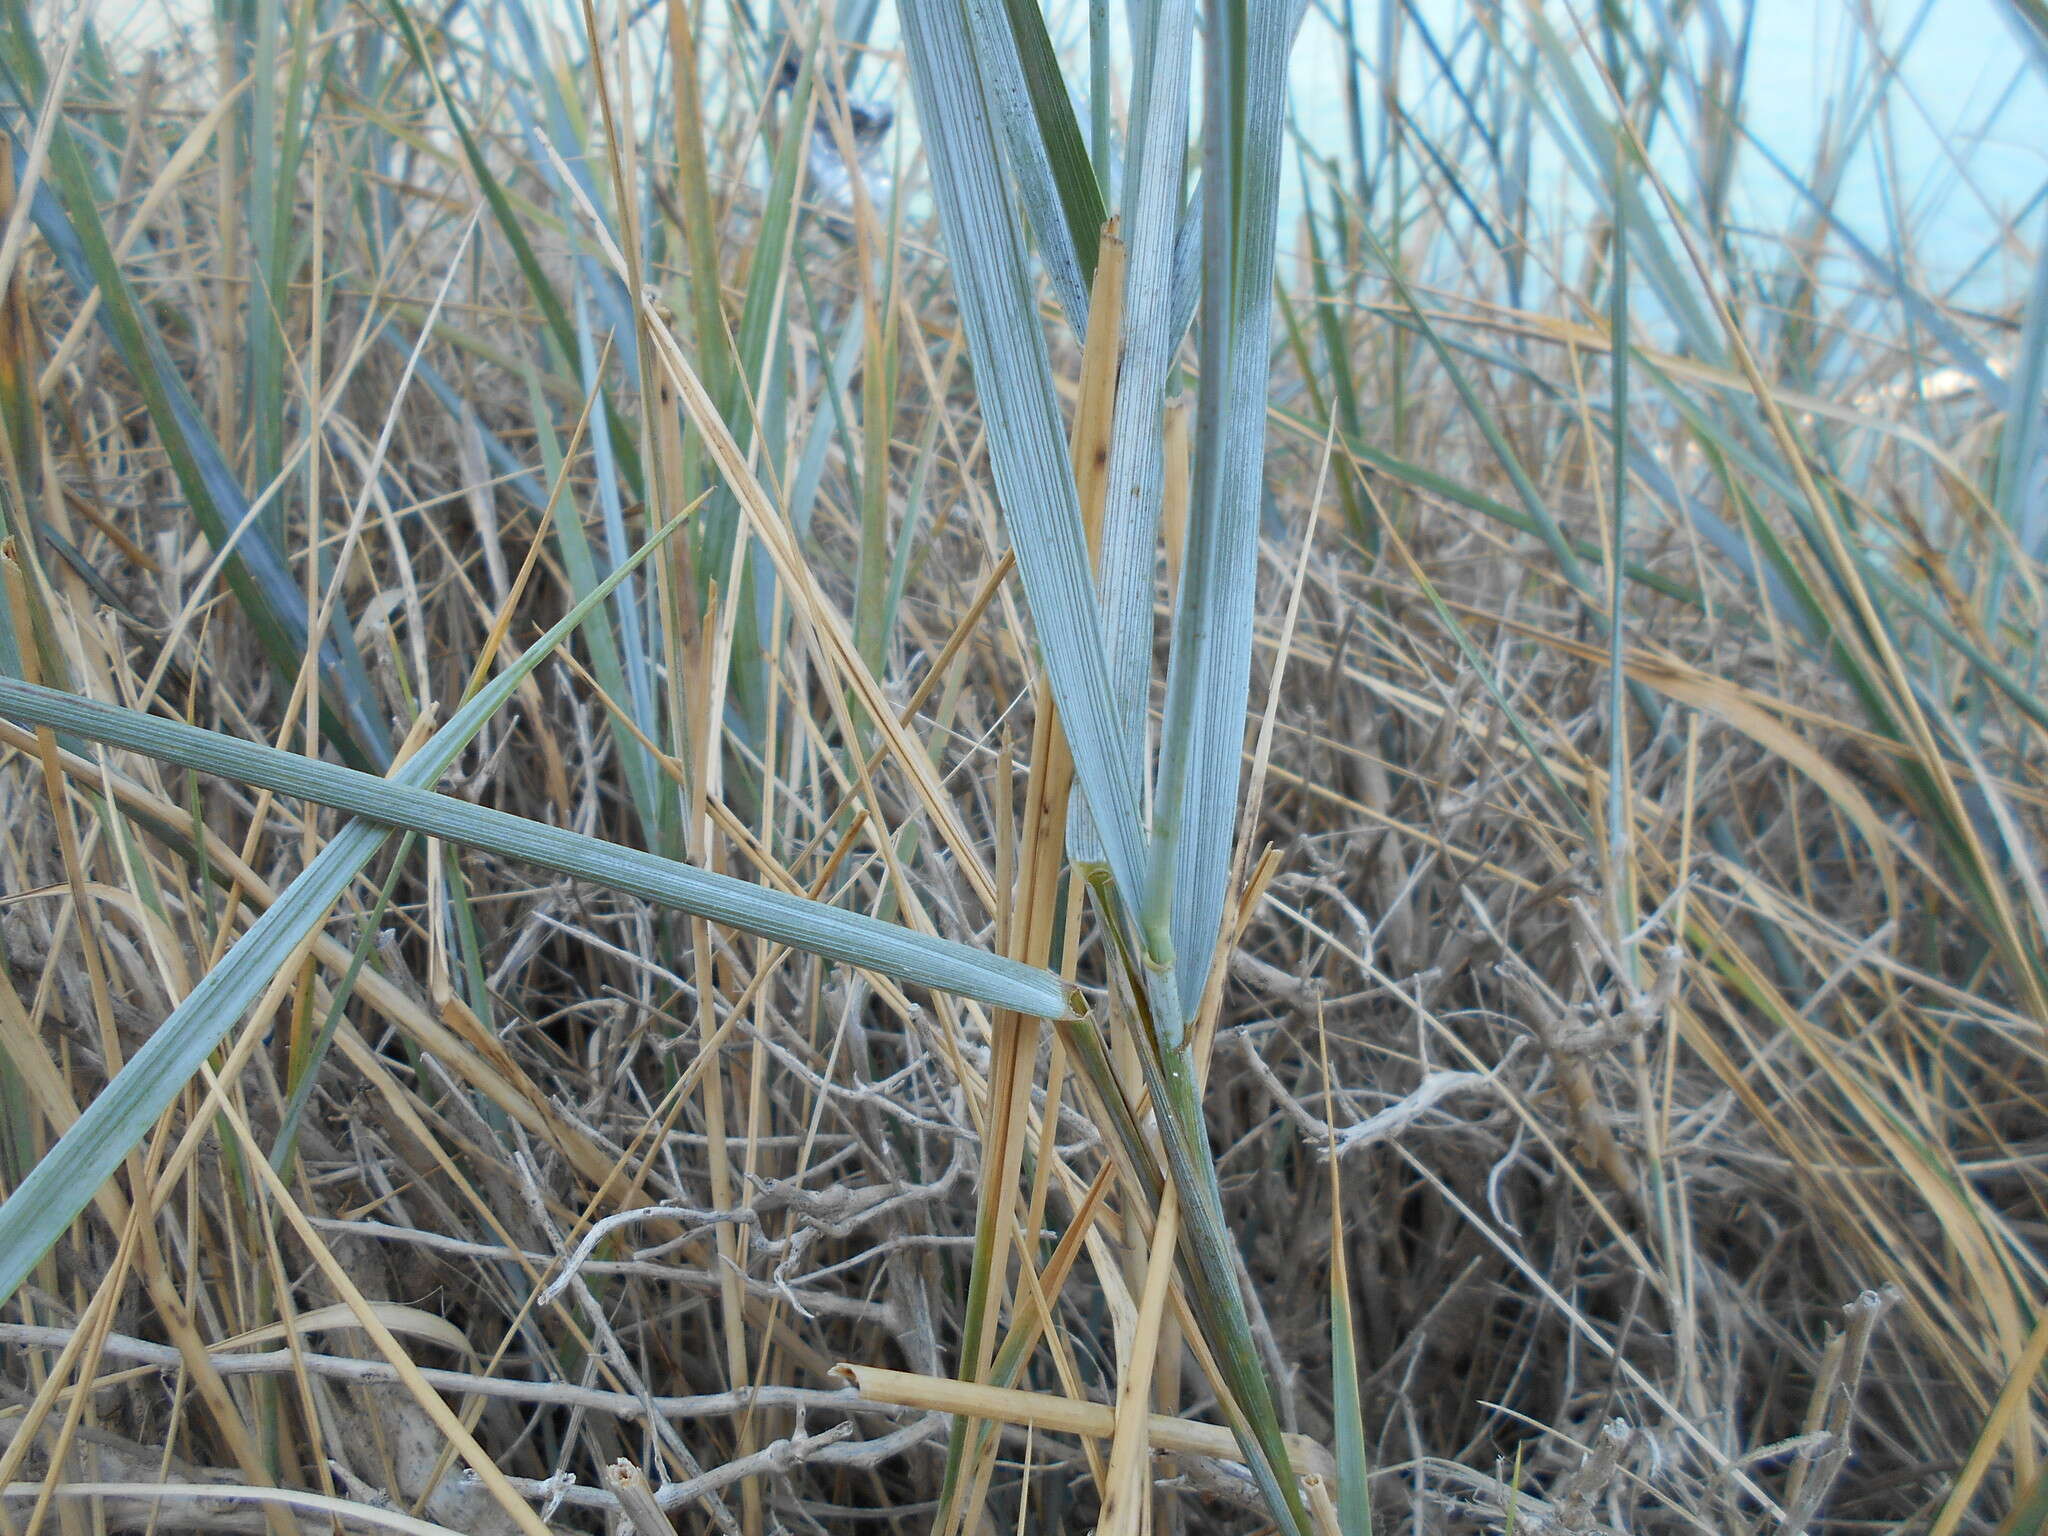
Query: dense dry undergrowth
[1665, 1109]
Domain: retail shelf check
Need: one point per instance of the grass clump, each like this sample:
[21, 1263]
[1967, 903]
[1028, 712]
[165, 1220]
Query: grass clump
[1105, 808]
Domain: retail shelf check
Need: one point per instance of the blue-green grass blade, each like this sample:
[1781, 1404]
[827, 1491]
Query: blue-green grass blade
[1061, 196]
[1027, 441]
[44, 1204]
[851, 938]
[1245, 48]
[1155, 171]
[1209, 675]
[261, 580]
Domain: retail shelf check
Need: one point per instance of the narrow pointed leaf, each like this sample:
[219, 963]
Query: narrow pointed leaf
[853, 938]
[1062, 198]
[1155, 173]
[266, 591]
[58, 1187]
[1027, 441]
[1209, 677]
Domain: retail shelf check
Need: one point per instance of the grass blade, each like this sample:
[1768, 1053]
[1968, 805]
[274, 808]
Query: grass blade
[36, 1214]
[1061, 194]
[262, 582]
[1154, 174]
[1209, 676]
[852, 938]
[1027, 445]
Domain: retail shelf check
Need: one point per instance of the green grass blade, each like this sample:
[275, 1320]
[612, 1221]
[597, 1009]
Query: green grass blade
[1027, 442]
[1354, 1492]
[852, 938]
[1210, 1264]
[1062, 197]
[36, 1214]
[263, 584]
[300, 1088]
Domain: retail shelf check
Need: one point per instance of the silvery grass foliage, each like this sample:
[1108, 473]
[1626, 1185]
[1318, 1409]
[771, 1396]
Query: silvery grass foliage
[1158, 861]
[1850, 1087]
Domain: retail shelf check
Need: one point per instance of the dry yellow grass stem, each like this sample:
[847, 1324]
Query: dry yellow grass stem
[1062, 1415]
